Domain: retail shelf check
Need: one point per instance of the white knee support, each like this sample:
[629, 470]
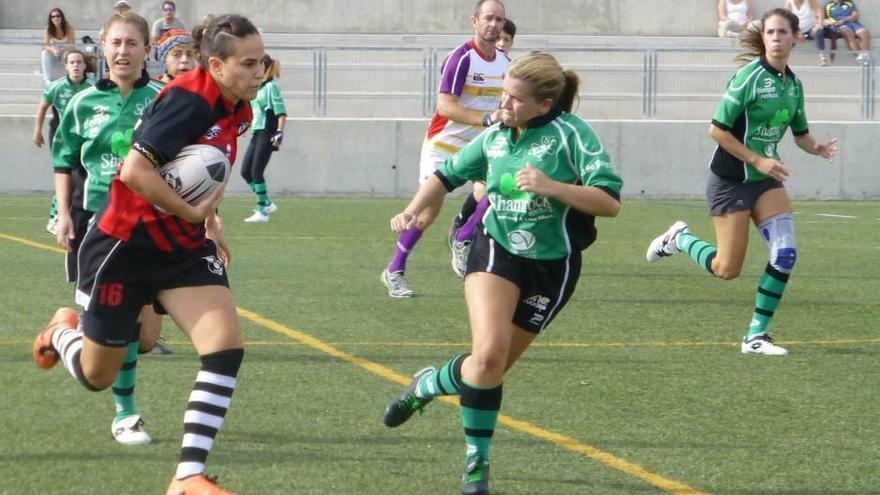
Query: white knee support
[778, 235]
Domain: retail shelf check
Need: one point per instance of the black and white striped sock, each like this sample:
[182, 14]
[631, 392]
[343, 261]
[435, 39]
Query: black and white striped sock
[208, 403]
[68, 343]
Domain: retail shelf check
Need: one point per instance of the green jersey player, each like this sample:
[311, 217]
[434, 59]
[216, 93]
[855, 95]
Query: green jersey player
[547, 177]
[92, 139]
[56, 96]
[762, 101]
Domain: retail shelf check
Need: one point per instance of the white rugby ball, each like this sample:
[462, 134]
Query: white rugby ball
[196, 171]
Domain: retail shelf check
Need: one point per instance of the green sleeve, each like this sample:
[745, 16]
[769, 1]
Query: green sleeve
[799, 124]
[737, 97]
[592, 160]
[468, 164]
[49, 93]
[276, 102]
[68, 141]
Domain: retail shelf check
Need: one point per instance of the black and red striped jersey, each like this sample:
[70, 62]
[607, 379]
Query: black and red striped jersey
[189, 110]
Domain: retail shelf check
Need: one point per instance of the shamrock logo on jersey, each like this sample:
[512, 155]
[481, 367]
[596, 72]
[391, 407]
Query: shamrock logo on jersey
[780, 118]
[120, 143]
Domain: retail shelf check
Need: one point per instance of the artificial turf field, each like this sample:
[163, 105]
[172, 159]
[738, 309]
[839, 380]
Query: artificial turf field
[637, 388]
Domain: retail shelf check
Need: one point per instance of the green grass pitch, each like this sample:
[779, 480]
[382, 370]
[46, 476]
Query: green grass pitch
[643, 365]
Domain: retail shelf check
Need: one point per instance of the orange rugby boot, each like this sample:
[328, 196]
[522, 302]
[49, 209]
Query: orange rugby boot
[45, 356]
[198, 484]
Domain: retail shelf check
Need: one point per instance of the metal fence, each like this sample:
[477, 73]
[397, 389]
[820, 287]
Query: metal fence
[617, 83]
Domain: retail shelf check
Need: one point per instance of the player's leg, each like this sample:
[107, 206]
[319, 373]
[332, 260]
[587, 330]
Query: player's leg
[206, 314]
[394, 274]
[151, 332]
[491, 302]
[262, 155]
[773, 218]
[460, 243]
[93, 349]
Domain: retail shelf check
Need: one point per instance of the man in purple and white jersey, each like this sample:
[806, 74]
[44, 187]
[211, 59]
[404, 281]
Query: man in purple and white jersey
[468, 101]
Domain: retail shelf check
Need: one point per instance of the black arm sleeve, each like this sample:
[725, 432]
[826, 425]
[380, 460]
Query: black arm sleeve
[177, 119]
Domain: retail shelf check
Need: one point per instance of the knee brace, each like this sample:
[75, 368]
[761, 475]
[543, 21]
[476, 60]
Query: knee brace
[778, 235]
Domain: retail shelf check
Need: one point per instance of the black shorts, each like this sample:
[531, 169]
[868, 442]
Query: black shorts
[545, 286]
[116, 279]
[81, 219]
[727, 196]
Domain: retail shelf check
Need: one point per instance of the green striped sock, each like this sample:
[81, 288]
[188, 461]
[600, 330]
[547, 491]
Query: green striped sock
[445, 381]
[53, 210]
[262, 198]
[700, 251]
[770, 289]
[479, 416]
[123, 387]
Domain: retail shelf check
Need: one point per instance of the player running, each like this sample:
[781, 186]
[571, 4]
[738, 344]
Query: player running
[762, 100]
[92, 139]
[470, 90]
[547, 177]
[56, 95]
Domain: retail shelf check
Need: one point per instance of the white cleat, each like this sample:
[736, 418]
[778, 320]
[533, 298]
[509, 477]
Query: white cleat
[664, 245]
[398, 286]
[272, 208]
[257, 217]
[762, 344]
[129, 431]
[460, 252]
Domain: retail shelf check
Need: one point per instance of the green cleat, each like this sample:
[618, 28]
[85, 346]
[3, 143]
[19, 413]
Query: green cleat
[475, 480]
[401, 408]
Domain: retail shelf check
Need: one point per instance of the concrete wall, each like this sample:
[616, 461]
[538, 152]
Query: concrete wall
[380, 157]
[576, 17]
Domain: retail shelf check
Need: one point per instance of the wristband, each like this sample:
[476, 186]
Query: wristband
[487, 120]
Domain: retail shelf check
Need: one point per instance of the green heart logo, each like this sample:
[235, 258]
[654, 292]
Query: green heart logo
[120, 143]
[781, 118]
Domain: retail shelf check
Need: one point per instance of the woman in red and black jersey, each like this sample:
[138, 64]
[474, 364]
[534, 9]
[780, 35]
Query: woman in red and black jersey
[150, 246]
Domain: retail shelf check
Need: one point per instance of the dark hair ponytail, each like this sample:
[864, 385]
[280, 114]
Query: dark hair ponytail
[214, 37]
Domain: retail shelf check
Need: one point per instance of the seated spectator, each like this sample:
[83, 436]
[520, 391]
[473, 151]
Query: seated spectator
[734, 16]
[841, 19]
[810, 22]
[58, 33]
[166, 22]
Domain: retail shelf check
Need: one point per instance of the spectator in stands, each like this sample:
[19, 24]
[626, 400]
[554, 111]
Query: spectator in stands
[58, 32]
[168, 21]
[810, 17]
[841, 18]
[734, 17]
[176, 52]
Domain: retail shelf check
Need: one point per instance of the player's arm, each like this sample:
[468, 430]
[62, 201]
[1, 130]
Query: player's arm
[137, 172]
[429, 193]
[767, 166]
[590, 200]
[826, 150]
[38, 125]
[449, 107]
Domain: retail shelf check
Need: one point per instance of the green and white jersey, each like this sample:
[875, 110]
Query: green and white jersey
[759, 105]
[59, 92]
[268, 99]
[94, 135]
[562, 146]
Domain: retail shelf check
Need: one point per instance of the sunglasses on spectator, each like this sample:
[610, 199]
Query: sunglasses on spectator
[55, 16]
[168, 9]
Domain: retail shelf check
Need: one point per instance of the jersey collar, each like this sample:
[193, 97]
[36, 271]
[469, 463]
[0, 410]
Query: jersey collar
[106, 84]
[545, 119]
[473, 44]
[773, 70]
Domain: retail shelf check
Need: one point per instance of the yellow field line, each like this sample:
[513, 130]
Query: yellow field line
[558, 439]
[30, 243]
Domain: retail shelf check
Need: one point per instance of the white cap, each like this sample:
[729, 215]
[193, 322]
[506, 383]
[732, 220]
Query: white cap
[121, 3]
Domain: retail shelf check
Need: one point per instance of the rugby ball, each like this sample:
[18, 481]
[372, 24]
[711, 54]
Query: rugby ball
[196, 171]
